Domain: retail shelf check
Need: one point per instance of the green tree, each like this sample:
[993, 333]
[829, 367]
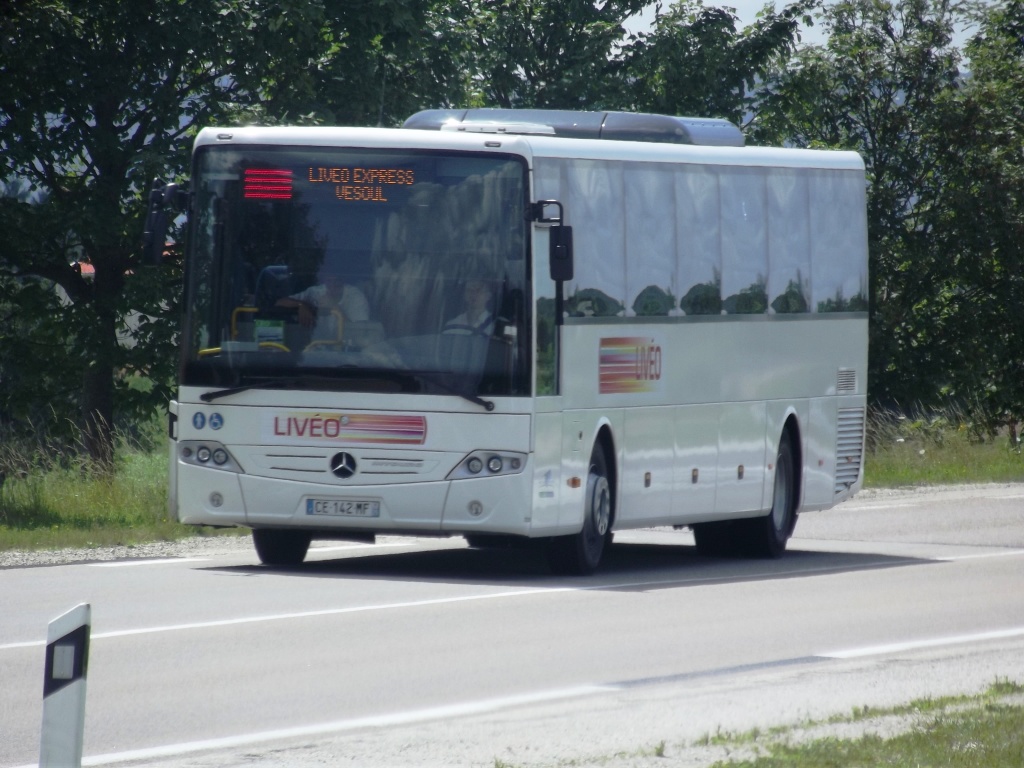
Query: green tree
[560, 54]
[880, 86]
[978, 218]
[96, 98]
[381, 61]
[697, 62]
[30, 327]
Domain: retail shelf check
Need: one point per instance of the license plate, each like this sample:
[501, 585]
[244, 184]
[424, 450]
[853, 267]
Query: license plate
[343, 507]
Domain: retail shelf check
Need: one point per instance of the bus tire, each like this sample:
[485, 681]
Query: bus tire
[580, 553]
[281, 547]
[767, 536]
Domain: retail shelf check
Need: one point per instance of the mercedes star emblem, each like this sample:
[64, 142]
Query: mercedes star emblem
[343, 465]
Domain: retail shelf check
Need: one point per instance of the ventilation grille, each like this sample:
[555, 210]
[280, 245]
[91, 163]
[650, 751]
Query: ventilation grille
[306, 463]
[846, 381]
[849, 448]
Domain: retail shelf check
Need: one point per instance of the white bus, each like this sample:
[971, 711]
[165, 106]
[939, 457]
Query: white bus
[551, 326]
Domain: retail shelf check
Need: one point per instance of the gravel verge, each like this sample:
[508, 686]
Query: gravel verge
[191, 547]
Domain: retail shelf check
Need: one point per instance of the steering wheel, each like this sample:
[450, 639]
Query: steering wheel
[459, 328]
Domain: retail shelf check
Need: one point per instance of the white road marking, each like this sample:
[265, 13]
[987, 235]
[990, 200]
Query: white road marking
[869, 507]
[373, 721]
[152, 561]
[466, 709]
[1007, 553]
[300, 615]
[539, 591]
[242, 620]
[913, 645]
[167, 560]
[25, 644]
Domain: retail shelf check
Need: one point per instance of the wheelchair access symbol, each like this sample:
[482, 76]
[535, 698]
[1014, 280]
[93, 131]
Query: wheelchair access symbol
[216, 421]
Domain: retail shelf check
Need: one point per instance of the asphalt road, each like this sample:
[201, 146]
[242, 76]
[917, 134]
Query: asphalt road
[426, 653]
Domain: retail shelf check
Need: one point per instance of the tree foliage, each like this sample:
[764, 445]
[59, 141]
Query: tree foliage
[697, 61]
[978, 213]
[558, 54]
[98, 97]
[379, 61]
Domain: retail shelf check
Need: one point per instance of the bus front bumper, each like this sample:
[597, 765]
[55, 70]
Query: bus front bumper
[479, 505]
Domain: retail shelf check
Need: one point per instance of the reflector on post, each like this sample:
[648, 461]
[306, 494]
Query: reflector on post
[67, 661]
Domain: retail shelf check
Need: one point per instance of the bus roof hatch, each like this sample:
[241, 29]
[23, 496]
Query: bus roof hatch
[618, 126]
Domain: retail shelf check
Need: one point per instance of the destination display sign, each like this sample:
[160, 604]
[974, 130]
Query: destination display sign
[362, 184]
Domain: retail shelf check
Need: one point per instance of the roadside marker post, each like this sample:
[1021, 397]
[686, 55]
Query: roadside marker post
[67, 660]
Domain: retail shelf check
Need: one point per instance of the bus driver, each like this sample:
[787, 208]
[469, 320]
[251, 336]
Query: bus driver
[317, 303]
[467, 336]
[477, 318]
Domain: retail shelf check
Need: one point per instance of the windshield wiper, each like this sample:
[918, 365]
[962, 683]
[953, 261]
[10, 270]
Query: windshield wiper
[487, 405]
[290, 382]
[429, 377]
[328, 382]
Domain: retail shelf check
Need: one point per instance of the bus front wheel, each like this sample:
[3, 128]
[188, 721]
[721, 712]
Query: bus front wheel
[580, 553]
[281, 547]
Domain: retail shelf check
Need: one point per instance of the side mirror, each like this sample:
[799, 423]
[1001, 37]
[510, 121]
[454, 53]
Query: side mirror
[560, 255]
[154, 238]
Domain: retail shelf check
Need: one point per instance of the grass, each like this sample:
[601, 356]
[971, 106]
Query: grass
[986, 729]
[66, 507]
[955, 732]
[937, 450]
[52, 497]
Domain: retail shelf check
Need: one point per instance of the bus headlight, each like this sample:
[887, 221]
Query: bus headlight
[209, 454]
[495, 462]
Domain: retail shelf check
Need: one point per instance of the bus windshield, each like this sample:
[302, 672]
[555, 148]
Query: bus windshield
[358, 270]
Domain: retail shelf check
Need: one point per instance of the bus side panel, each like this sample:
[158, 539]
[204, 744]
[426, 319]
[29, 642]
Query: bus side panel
[696, 445]
[548, 484]
[648, 465]
[726, 295]
[819, 455]
[741, 458]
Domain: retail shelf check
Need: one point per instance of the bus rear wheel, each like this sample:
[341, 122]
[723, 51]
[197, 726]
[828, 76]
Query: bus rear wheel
[580, 554]
[281, 547]
[767, 536]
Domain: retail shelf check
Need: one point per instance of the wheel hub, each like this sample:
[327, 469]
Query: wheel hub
[601, 506]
